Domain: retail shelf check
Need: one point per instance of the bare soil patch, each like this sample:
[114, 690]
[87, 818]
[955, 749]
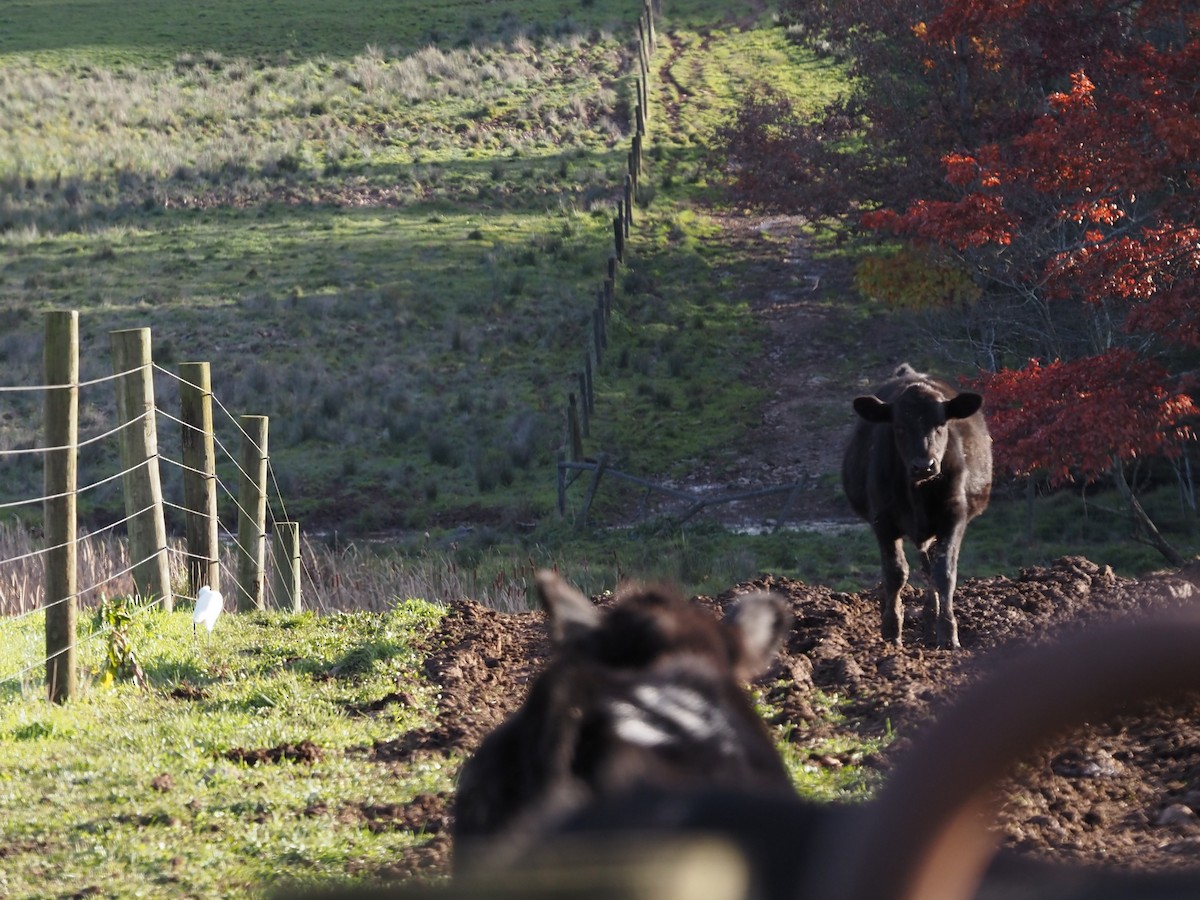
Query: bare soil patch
[305, 751]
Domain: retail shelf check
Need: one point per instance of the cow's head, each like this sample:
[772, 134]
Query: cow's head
[649, 624]
[645, 691]
[919, 417]
[654, 685]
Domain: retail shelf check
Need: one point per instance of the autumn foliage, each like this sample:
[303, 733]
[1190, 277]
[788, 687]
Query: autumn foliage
[1091, 210]
[1072, 419]
[1059, 143]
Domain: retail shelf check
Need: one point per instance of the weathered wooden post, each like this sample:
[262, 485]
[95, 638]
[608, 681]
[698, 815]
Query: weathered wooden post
[584, 418]
[643, 49]
[601, 465]
[599, 332]
[139, 457]
[590, 381]
[285, 554]
[619, 236]
[252, 513]
[574, 435]
[559, 458]
[199, 476]
[628, 204]
[61, 404]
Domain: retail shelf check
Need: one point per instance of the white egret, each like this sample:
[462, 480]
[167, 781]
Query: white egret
[208, 607]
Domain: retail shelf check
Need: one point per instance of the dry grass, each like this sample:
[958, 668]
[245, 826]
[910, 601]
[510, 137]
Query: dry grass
[357, 577]
[209, 115]
[349, 578]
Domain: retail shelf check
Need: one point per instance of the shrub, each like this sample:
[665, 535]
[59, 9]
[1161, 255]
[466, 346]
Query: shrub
[443, 451]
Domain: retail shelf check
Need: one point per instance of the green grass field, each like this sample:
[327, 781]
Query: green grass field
[145, 32]
[386, 236]
[127, 793]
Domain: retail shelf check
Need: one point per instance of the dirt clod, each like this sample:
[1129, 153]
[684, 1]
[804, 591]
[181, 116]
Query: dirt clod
[305, 751]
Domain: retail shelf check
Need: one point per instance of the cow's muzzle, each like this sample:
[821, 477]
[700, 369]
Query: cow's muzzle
[923, 470]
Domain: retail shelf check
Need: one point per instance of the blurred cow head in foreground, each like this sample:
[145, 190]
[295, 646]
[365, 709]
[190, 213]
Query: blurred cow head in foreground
[645, 694]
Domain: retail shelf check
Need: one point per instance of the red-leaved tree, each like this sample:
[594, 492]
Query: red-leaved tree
[1047, 150]
[1088, 216]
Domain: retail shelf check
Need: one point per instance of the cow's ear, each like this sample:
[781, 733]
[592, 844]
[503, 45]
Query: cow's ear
[873, 409]
[964, 405]
[762, 620]
[570, 612]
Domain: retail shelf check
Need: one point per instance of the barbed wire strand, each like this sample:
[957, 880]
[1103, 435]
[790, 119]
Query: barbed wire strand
[42, 662]
[270, 469]
[229, 455]
[80, 490]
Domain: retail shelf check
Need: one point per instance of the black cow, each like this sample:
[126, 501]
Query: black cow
[644, 694]
[919, 465]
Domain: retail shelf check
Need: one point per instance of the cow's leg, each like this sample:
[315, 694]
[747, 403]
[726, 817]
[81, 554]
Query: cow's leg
[932, 609]
[945, 578]
[895, 576]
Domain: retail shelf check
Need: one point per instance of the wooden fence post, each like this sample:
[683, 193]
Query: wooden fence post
[139, 458]
[61, 367]
[635, 164]
[285, 553]
[619, 236]
[252, 513]
[584, 418]
[600, 332]
[590, 381]
[629, 203]
[561, 481]
[601, 465]
[573, 433]
[199, 476]
[643, 48]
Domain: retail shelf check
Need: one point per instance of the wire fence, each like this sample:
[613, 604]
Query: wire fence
[336, 576]
[581, 404]
[104, 565]
[104, 560]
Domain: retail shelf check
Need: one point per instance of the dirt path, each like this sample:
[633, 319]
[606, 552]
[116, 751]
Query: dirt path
[819, 353]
